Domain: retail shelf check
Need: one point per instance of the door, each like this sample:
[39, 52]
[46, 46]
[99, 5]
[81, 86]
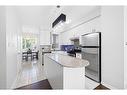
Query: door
[125, 47]
[125, 63]
[91, 51]
[93, 70]
[91, 39]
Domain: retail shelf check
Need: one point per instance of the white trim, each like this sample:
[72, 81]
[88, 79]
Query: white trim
[125, 86]
[108, 86]
[90, 84]
[13, 86]
[14, 83]
[125, 48]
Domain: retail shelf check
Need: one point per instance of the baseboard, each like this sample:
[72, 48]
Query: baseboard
[14, 83]
[125, 86]
[16, 78]
[108, 86]
[90, 84]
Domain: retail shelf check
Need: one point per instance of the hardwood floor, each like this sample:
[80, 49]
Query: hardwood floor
[44, 84]
[101, 87]
[31, 72]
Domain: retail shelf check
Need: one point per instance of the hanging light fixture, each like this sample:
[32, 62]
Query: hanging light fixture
[60, 19]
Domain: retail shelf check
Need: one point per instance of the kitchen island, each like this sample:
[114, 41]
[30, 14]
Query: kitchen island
[65, 72]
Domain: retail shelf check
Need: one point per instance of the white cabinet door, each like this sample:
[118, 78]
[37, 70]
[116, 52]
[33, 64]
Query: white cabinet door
[54, 73]
[44, 38]
[74, 78]
[125, 47]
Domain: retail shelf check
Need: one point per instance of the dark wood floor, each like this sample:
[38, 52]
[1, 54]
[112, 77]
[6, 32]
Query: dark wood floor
[101, 87]
[44, 84]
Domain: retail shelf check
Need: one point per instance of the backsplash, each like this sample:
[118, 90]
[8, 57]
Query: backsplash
[66, 47]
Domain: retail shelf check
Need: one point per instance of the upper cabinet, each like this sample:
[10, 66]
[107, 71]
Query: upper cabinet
[91, 26]
[44, 38]
[80, 20]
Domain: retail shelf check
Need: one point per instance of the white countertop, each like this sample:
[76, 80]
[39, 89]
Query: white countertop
[61, 52]
[67, 61]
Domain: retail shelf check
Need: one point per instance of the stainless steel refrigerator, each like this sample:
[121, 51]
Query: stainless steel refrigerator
[91, 50]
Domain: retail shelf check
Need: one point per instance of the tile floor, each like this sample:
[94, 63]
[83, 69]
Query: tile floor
[32, 71]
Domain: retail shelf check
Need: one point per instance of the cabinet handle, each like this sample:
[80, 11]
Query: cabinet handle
[126, 43]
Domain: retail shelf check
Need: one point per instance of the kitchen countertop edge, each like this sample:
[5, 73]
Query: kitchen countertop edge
[63, 65]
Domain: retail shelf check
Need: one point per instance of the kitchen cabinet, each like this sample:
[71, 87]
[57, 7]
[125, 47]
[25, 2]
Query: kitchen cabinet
[65, 72]
[44, 38]
[91, 26]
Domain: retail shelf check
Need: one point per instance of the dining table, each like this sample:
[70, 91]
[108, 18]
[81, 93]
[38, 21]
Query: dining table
[31, 54]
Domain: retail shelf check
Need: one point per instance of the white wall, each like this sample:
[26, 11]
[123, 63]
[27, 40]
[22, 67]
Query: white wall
[2, 48]
[44, 37]
[19, 48]
[112, 46]
[125, 47]
[12, 29]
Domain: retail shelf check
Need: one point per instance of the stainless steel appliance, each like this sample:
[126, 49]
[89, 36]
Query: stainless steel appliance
[91, 50]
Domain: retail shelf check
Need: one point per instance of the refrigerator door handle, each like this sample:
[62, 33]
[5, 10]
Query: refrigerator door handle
[90, 46]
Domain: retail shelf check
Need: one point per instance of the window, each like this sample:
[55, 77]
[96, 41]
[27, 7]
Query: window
[29, 42]
[55, 43]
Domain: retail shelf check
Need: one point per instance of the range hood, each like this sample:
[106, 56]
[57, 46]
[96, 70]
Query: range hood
[74, 39]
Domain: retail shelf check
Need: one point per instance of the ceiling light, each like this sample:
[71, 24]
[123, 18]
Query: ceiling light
[62, 24]
[59, 25]
[58, 6]
[60, 19]
[67, 22]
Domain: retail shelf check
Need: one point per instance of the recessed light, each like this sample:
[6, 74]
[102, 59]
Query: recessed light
[58, 6]
[68, 21]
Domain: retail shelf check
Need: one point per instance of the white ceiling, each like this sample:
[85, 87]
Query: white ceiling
[76, 12]
[35, 16]
[43, 16]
